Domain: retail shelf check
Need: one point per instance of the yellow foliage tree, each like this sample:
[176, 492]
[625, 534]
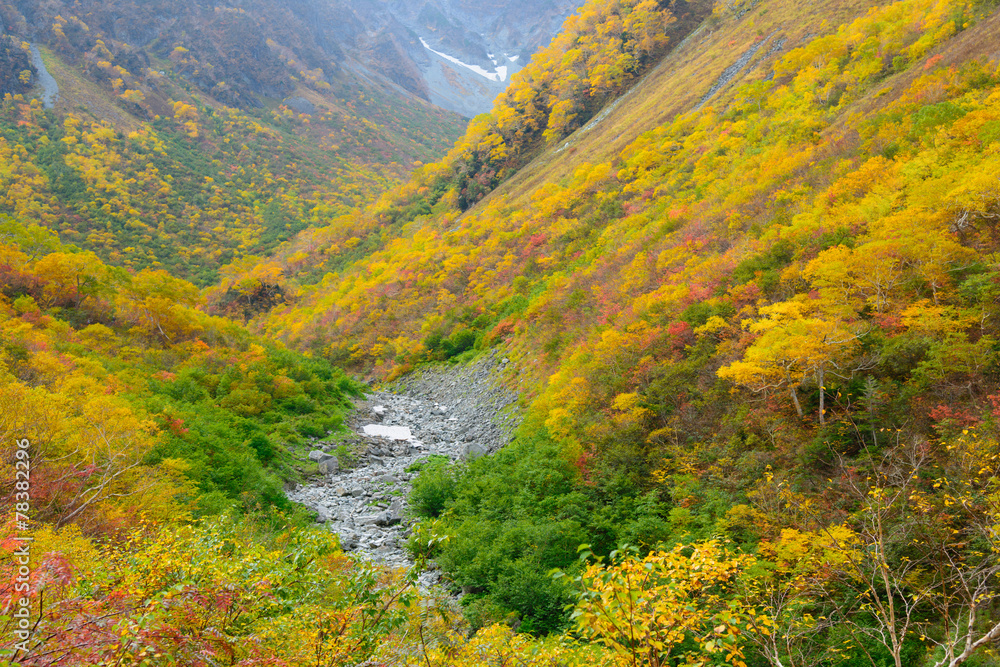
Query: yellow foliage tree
[649, 610]
[79, 275]
[796, 339]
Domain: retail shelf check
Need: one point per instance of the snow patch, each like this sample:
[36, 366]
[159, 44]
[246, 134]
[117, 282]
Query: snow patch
[391, 432]
[499, 75]
[512, 58]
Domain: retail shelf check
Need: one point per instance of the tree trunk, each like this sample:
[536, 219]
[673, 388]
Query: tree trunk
[820, 375]
[795, 395]
[795, 400]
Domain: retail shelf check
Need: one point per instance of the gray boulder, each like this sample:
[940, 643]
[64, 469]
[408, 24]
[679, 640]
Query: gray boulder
[387, 518]
[472, 451]
[329, 466]
[396, 511]
[348, 540]
[301, 105]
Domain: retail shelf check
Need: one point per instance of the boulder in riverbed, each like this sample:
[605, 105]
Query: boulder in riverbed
[472, 451]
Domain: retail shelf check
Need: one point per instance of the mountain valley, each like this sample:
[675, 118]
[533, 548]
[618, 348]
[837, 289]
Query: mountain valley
[693, 328]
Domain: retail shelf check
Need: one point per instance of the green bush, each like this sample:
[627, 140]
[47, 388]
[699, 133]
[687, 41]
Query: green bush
[430, 460]
[300, 405]
[246, 401]
[433, 489]
[233, 443]
[539, 600]
[459, 342]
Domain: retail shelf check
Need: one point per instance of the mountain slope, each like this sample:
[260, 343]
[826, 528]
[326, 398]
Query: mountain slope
[545, 103]
[140, 165]
[709, 289]
[193, 136]
[242, 54]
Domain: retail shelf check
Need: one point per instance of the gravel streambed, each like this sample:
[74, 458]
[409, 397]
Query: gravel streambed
[462, 412]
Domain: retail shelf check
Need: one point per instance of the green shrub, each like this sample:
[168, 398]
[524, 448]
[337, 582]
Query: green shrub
[246, 401]
[539, 600]
[433, 489]
[300, 405]
[430, 460]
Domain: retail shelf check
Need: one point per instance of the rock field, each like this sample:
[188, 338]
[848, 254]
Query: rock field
[462, 412]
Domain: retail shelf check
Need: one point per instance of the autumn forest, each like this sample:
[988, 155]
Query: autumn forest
[743, 257]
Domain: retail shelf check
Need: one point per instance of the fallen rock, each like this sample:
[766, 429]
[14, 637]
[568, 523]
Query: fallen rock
[396, 511]
[472, 451]
[387, 518]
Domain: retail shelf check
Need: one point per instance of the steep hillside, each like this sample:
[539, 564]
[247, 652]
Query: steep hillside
[137, 165]
[545, 103]
[767, 266]
[16, 70]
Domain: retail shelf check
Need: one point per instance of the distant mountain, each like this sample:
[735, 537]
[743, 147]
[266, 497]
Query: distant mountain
[467, 51]
[456, 54]
[186, 136]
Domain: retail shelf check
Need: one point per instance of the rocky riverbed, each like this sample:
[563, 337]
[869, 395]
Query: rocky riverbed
[50, 89]
[462, 412]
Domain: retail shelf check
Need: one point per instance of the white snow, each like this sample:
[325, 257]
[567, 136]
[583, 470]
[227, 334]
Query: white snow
[512, 58]
[499, 75]
[391, 432]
